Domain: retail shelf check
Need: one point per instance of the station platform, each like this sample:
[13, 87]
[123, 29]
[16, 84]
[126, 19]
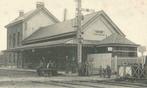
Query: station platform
[29, 73]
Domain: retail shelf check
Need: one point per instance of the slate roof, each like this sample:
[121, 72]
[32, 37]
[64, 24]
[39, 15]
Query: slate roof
[52, 44]
[55, 29]
[113, 39]
[29, 14]
[64, 27]
[41, 45]
[116, 39]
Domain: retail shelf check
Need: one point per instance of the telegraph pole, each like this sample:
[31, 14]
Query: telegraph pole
[79, 18]
[79, 34]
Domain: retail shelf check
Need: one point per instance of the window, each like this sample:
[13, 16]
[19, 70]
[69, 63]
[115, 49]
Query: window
[9, 40]
[25, 24]
[126, 54]
[14, 40]
[132, 54]
[10, 58]
[13, 58]
[126, 48]
[18, 38]
[125, 51]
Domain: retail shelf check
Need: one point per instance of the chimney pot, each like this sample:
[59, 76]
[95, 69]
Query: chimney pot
[21, 13]
[65, 14]
[39, 5]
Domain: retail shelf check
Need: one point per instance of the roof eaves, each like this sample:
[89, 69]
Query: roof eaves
[46, 44]
[11, 24]
[118, 44]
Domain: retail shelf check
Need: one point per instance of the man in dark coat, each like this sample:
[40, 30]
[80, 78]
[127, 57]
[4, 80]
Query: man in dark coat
[108, 69]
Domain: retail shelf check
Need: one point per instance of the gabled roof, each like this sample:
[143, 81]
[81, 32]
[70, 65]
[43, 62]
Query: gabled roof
[116, 39]
[29, 15]
[56, 29]
[67, 27]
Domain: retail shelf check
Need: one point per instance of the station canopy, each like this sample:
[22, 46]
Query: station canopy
[112, 40]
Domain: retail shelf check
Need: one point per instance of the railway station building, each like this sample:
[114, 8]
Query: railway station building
[38, 33]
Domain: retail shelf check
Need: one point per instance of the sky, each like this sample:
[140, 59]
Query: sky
[129, 15]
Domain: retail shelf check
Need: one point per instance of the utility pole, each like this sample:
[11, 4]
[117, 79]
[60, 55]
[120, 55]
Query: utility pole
[79, 18]
[79, 34]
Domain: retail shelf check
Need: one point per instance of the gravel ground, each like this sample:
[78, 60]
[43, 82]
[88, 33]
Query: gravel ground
[29, 79]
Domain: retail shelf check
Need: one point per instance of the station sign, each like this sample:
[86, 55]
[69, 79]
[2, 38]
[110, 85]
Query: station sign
[110, 48]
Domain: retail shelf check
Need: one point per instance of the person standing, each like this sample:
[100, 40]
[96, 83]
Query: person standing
[86, 66]
[104, 72]
[44, 62]
[41, 66]
[100, 71]
[108, 71]
[49, 64]
[67, 64]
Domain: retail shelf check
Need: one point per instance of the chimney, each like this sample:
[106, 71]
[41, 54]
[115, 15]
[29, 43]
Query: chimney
[21, 13]
[65, 14]
[39, 5]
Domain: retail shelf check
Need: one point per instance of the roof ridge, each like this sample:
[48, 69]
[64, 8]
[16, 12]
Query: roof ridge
[29, 13]
[70, 20]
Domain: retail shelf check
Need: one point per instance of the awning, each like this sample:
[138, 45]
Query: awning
[70, 42]
[40, 45]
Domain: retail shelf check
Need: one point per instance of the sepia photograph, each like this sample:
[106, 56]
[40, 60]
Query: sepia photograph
[73, 44]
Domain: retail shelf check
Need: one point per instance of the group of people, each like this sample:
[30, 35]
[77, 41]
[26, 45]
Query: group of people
[46, 67]
[84, 70]
[105, 72]
[46, 64]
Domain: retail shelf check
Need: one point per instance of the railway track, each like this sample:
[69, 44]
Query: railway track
[92, 84]
[105, 84]
[65, 85]
[122, 83]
